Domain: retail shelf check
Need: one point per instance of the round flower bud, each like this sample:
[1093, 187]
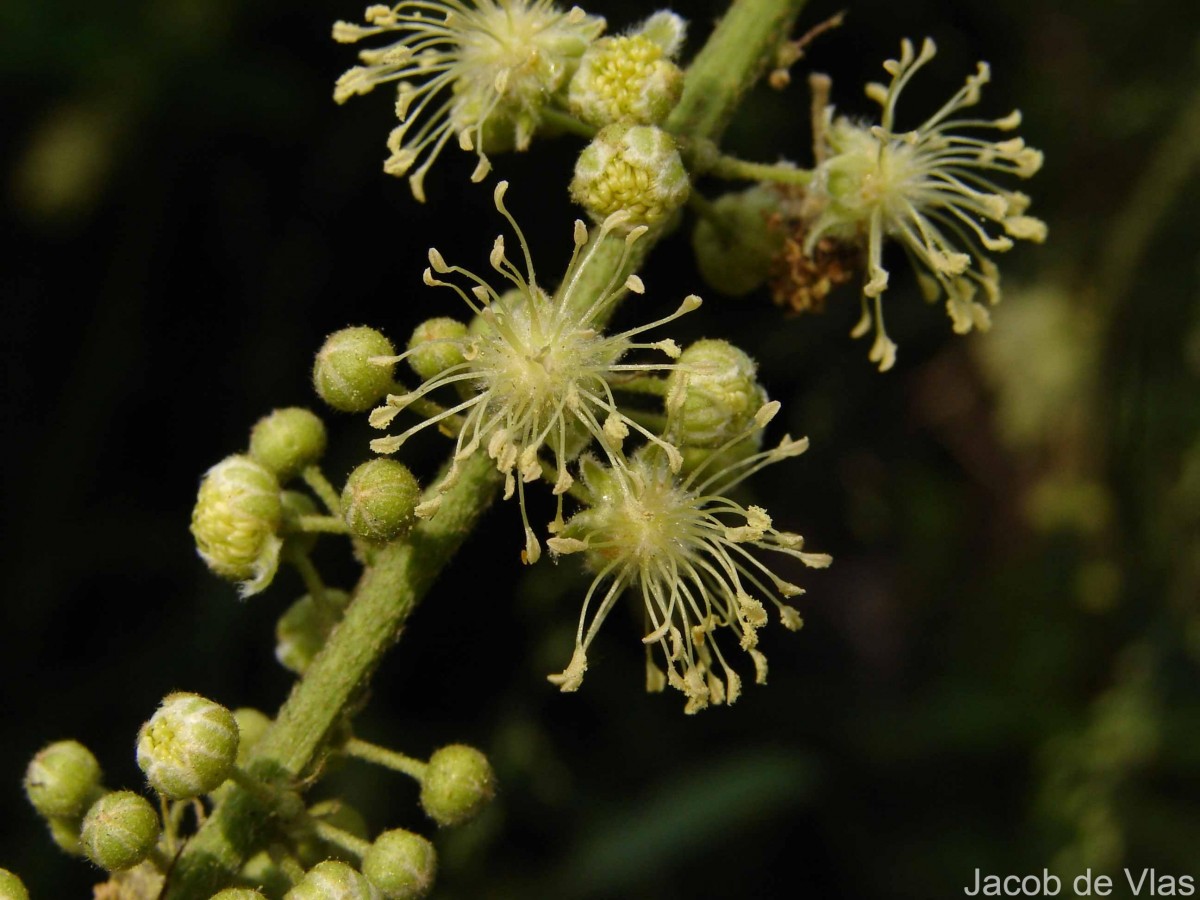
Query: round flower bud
[712, 394]
[333, 880]
[343, 373]
[119, 831]
[634, 169]
[435, 346]
[379, 500]
[287, 441]
[236, 522]
[735, 253]
[625, 79]
[401, 864]
[62, 779]
[11, 887]
[188, 747]
[301, 631]
[457, 785]
[238, 894]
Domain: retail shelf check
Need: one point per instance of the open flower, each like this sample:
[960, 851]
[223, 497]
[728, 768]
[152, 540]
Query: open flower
[930, 189]
[536, 370]
[478, 70]
[685, 547]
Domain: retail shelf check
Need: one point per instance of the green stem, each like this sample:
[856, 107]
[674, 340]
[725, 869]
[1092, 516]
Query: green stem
[322, 524]
[402, 572]
[564, 121]
[734, 169]
[319, 484]
[382, 756]
[351, 843]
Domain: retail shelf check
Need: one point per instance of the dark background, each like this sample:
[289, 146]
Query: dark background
[1000, 669]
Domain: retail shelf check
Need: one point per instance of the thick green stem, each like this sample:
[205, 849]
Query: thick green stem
[400, 574]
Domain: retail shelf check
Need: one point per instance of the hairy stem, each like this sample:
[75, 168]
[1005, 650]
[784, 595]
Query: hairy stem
[742, 46]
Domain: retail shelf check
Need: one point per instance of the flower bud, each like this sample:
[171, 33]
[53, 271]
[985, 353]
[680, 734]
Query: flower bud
[401, 864]
[712, 394]
[236, 522]
[301, 631]
[332, 880]
[11, 887]
[630, 78]
[435, 346]
[379, 500]
[633, 169]
[62, 779]
[458, 783]
[736, 251]
[287, 441]
[189, 746]
[119, 831]
[238, 894]
[343, 373]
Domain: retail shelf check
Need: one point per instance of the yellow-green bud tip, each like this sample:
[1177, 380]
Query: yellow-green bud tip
[625, 79]
[345, 376]
[736, 251]
[457, 785]
[119, 831]
[712, 394]
[287, 441]
[236, 522]
[401, 864]
[11, 887]
[380, 499]
[188, 747]
[435, 346]
[332, 879]
[61, 780]
[634, 170]
[239, 894]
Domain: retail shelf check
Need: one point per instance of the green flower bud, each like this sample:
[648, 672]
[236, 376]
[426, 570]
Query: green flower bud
[379, 500]
[61, 780]
[458, 783]
[287, 441]
[239, 894]
[435, 346]
[120, 830]
[630, 78]
[343, 373]
[189, 746]
[268, 875]
[252, 724]
[694, 457]
[633, 169]
[301, 631]
[333, 880]
[401, 864]
[712, 394]
[736, 251]
[11, 887]
[236, 522]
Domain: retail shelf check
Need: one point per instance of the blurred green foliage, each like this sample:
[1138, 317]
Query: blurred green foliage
[999, 671]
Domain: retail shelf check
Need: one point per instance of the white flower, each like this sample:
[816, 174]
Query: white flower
[930, 189]
[684, 546]
[537, 370]
[480, 70]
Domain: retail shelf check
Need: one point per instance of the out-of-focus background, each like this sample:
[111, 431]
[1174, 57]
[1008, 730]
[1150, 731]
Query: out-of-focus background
[999, 671]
